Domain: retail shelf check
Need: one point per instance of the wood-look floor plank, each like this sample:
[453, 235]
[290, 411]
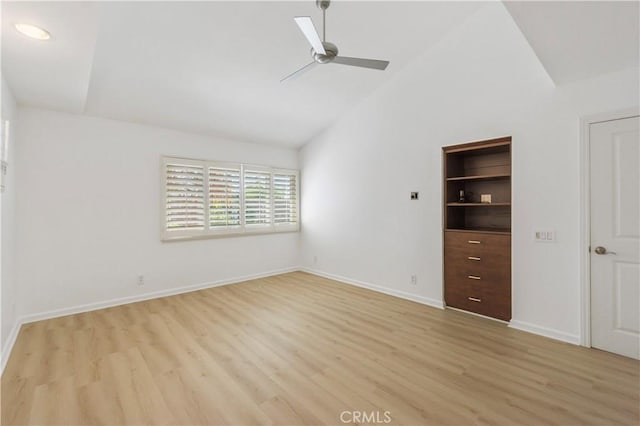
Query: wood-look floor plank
[300, 349]
[56, 403]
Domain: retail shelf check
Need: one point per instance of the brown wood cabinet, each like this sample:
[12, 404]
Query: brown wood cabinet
[477, 234]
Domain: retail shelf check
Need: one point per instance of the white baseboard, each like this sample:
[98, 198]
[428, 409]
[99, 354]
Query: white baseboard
[8, 346]
[546, 332]
[401, 294]
[147, 296]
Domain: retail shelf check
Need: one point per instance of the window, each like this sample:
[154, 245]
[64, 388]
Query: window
[257, 196]
[285, 198]
[224, 197]
[208, 198]
[185, 199]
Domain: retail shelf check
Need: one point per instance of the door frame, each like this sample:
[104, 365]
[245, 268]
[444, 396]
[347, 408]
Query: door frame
[585, 214]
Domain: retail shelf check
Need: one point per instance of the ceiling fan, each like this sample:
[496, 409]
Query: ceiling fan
[324, 52]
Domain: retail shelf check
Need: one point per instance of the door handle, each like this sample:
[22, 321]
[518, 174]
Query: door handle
[603, 250]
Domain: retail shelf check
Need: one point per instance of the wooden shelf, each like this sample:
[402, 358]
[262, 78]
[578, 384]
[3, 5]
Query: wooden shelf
[479, 177]
[478, 204]
[482, 147]
[501, 231]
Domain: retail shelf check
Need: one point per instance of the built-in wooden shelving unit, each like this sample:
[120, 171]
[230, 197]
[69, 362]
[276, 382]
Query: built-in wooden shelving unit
[477, 235]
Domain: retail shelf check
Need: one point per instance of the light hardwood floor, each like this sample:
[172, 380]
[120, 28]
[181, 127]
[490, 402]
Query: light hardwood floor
[299, 349]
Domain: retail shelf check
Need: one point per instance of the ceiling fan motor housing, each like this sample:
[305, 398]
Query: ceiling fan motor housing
[330, 48]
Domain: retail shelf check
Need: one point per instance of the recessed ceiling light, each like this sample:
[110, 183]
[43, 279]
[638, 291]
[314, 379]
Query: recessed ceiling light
[33, 31]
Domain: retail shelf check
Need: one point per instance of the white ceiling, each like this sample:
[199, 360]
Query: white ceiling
[575, 40]
[52, 74]
[214, 67]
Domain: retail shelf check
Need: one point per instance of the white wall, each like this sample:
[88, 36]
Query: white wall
[481, 81]
[89, 213]
[605, 93]
[8, 283]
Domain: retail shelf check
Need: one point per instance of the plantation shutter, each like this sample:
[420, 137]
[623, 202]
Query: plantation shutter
[209, 198]
[224, 197]
[285, 198]
[184, 195]
[257, 197]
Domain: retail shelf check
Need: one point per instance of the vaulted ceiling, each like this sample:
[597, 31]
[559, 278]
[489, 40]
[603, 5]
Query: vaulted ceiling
[575, 40]
[215, 67]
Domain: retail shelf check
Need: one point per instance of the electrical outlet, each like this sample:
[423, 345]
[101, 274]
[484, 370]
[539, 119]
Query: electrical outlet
[140, 279]
[414, 279]
[544, 236]
[414, 195]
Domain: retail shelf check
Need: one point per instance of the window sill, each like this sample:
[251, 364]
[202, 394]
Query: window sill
[167, 237]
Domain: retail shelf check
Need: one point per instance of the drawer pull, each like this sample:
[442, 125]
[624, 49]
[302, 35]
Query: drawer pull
[474, 277]
[474, 299]
[473, 258]
[474, 242]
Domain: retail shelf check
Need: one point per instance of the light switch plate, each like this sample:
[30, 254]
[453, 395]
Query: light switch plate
[544, 236]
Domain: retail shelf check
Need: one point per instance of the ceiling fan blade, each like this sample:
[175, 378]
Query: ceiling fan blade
[306, 26]
[297, 73]
[359, 62]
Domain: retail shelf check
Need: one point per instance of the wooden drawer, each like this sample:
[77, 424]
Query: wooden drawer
[479, 277]
[477, 244]
[478, 273]
[485, 300]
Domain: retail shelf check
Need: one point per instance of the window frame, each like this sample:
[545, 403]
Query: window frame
[243, 229]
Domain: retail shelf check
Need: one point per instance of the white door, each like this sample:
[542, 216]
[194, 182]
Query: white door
[615, 236]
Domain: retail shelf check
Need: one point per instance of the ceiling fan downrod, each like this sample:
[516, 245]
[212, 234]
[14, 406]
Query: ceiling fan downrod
[324, 5]
[330, 49]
